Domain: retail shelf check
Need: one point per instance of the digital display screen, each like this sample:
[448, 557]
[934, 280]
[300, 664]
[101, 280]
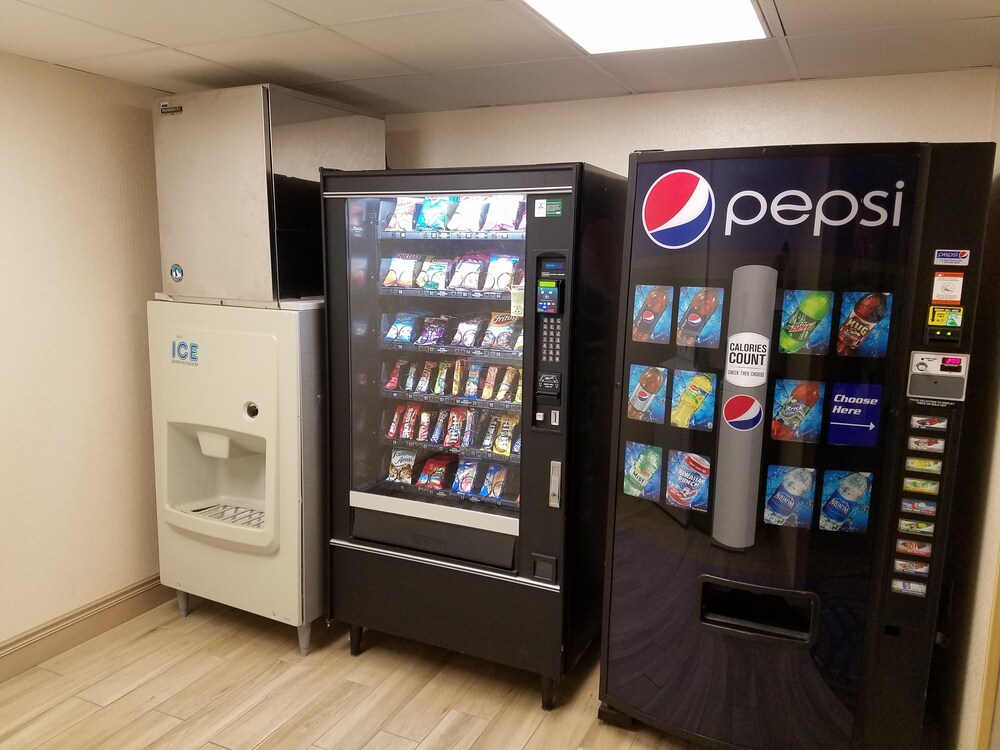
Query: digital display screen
[951, 364]
[547, 297]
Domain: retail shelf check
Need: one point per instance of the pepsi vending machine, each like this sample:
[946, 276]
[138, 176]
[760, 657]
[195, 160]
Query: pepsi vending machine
[791, 382]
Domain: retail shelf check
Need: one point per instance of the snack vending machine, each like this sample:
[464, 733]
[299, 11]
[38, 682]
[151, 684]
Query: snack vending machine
[471, 325]
[791, 366]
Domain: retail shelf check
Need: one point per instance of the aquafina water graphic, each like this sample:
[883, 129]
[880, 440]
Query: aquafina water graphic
[839, 506]
[784, 502]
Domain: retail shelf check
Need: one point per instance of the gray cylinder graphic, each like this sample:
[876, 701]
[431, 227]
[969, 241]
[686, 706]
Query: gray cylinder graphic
[744, 395]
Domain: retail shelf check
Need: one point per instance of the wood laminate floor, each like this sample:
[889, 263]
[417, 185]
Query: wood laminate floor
[221, 678]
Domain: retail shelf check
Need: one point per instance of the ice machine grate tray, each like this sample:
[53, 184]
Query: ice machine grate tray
[237, 515]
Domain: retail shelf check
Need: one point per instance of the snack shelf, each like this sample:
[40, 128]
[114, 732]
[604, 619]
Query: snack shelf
[457, 451]
[441, 293]
[449, 400]
[439, 234]
[497, 506]
[494, 355]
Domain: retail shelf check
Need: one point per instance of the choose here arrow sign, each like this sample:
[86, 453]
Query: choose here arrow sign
[855, 409]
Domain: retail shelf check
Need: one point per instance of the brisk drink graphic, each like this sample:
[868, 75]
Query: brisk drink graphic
[859, 324]
[790, 502]
[790, 417]
[693, 400]
[846, 505]
[692, 324]
[805, 317]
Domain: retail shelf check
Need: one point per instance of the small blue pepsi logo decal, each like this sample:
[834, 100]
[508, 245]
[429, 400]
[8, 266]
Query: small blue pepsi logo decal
[678, 209]
[176, 273]
[742, 412]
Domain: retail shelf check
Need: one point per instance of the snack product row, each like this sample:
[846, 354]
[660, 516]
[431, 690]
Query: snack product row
[466, 213]
[478, 480]
[480, 271]
[456, 427]
[460, 378]
[409, 327]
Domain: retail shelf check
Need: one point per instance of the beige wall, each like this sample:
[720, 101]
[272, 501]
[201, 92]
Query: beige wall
[80, 252]
[956, 106]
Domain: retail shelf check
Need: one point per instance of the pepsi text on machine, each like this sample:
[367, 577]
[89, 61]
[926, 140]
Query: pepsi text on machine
[679, 208]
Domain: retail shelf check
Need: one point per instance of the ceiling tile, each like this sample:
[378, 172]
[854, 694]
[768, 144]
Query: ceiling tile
[297, 57]
[921, 49]
[166, 70]
[714, 66]
[39, 34]
[180, 22]
[817, 16]
[419, 92]
[541, 81]
[331, 12]
[461, 37]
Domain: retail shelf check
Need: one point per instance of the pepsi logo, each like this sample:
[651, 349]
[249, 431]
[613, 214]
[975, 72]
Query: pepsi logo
[678, 209]
[647, 316]
[742, 412]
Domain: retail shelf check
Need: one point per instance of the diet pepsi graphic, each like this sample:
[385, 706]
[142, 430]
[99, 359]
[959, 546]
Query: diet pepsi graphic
[652, 313]
[692, 403]
[744, 389]
[647, 387]
[846, 501]
[678, 209]
[790, 493]
[688, 480]
[699, 316]
[742, 412]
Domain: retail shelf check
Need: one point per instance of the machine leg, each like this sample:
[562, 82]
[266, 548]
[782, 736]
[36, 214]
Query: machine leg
[548, 693]
[304, 633]
[183, 602]
[356, 631]
[614, 717]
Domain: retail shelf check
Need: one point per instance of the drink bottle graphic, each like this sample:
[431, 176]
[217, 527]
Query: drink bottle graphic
[642, 471]
[644, 393]
[694, 395]
[794, 410]
[686, 481]
[841, 504]
[867, 312]
[784, 503]
[649, 315]
[692, 322]
[812, 309]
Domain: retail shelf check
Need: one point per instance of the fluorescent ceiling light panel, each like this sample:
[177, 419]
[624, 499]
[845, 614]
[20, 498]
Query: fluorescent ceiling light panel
[622, 25]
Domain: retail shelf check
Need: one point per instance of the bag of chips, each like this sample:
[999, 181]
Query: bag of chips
[402, 327]
[435, 212]
[432, 475]
[434, 274]
[500, 273]
[505, 434]
[500, 332]
[502, 213]
[402, 270]
[493, 483]
[468, 217]
[433, 332]
[467, 332]
[468, 271]
[401, 465]
[401, 218]
[465, 476]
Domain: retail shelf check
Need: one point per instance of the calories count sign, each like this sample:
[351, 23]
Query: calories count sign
[746, 359]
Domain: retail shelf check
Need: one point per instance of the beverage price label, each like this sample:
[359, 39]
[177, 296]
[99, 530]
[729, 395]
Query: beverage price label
[947, 287]
[746, 359]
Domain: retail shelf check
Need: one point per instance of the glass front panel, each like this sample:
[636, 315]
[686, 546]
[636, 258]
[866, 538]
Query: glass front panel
[437, 342]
